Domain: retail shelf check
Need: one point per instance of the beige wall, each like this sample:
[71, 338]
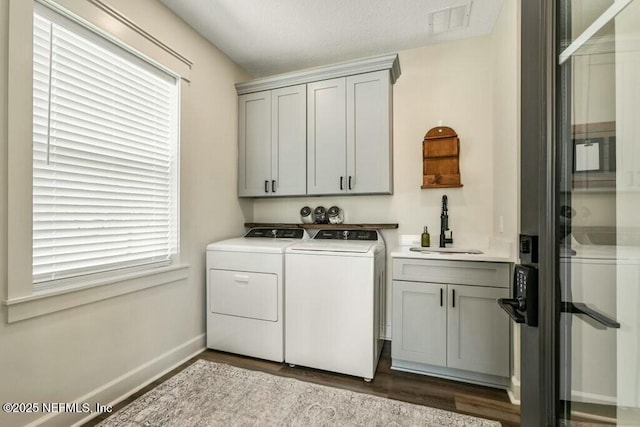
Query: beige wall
[506, 148]
[506, 121]
[593, 100]
[473, 86]
[101, 350]
[451, 82]
[126, 340]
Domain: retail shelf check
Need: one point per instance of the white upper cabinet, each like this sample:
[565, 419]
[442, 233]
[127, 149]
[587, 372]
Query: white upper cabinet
[369, 147]
[321, 131]
[288, 141]
[272, 142]
[254, 144]
[349, 138]
[327, 137]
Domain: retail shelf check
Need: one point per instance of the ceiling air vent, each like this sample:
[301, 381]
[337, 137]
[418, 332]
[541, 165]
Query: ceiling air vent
[450, 19]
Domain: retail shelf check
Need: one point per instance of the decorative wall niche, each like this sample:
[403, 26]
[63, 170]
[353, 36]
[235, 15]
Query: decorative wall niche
[440, 158]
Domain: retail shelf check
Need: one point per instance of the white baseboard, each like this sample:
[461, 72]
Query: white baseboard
[596, 418]
[602, 399]
[387, 332]
[120, 388]
[514, 391]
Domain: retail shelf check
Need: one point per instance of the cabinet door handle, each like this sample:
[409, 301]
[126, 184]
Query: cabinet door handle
[273, 186]
[266, 186]
[453, 298]
[349, 182]
[341, 186]
[441, 297]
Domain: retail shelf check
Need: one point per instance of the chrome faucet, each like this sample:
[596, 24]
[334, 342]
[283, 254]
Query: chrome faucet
[444, 224]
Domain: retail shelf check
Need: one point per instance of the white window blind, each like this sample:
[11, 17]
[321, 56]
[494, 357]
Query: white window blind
[105, 126]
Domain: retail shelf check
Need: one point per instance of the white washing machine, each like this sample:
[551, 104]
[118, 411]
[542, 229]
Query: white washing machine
[245, 292]
[335, 302]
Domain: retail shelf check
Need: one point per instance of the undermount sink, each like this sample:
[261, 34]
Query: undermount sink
[446, 251]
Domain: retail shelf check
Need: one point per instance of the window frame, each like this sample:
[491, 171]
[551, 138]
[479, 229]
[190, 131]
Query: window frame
[78, 277]
[21, 300]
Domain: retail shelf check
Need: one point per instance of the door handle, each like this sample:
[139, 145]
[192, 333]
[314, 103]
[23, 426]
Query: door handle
[453, 298]
[241, 278]
[509, 305]
[266, 186]
[441, 297]
[341, 179]
[349, 182]
[273, 186]
[581, 308]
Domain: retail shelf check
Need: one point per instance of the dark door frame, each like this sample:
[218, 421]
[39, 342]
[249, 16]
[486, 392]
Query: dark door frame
[539, 198]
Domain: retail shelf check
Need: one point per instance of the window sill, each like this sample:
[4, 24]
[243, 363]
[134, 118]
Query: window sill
[50, 301]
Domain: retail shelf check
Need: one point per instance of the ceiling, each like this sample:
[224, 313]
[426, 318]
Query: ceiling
[268, 37]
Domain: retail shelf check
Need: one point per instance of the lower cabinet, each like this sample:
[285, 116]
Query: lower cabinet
[452, 330]
[419, 323]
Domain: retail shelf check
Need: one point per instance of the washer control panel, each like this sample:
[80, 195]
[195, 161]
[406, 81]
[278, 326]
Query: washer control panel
[347, 235]
[276, 233]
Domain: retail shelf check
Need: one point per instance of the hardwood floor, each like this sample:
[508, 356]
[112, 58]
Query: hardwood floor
[453, 396]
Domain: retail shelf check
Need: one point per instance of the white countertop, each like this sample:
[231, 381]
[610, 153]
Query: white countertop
[493, 250]
[593, 253]
[498, 250]
[491, 254]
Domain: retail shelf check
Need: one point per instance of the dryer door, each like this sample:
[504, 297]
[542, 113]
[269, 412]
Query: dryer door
[244, 294]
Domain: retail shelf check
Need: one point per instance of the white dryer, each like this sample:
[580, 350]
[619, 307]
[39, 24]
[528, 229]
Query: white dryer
[335, 302]
[245, 292]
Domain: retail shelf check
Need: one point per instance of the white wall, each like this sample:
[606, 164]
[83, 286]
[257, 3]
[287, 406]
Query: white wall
[450, 82]
[126, 340]
[472, 86]
[506, 148]
[627, 206]
[119, 343]
[593, 100]
[506, 121]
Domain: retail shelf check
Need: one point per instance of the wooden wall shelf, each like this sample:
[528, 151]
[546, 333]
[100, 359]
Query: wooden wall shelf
[323, 226]
[440, 158]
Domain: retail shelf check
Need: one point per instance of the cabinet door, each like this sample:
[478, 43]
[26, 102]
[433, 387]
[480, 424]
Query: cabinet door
[478, 330]
[369, 133]
[289, 141]
[419, 322]
[254, 148]
[326, 137]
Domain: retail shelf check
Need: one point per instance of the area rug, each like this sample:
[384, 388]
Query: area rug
[215, 394]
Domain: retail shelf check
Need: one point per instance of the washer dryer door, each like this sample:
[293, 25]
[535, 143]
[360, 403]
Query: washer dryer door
[244, 294]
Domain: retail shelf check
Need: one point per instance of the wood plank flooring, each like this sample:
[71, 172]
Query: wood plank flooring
[453, 396]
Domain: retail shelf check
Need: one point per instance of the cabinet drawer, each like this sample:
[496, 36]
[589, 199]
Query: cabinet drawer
[477, 273]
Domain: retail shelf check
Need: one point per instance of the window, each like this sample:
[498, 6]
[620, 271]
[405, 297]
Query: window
[105, 155]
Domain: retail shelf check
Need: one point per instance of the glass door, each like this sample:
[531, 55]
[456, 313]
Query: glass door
[598, 137]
